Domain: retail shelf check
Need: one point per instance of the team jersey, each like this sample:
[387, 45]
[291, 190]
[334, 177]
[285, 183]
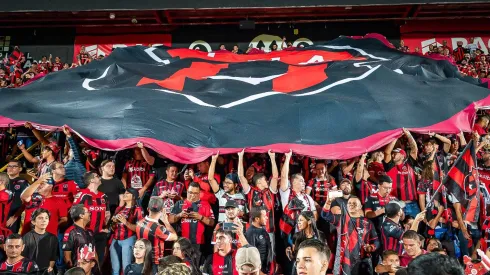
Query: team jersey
[191, 228]
[218, 265]
[65, 190]
[97, 205]
[138, 172]
[6, 198]
[164, 185]
[55, 206]
[132, 215]
[155, 233]
[23, 266]
[75, 238]
[262, 199]
[391, 236]
[320, 188]
[17, 186]
[403, 177]
[376, 202]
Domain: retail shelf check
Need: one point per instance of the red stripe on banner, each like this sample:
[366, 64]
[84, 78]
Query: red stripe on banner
[462, 121]
[300, 77]
[458, 177]
[298, 57]
[472, 209]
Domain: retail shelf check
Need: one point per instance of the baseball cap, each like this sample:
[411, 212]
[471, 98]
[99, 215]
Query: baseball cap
[233, 177]
[53, 147]
[231, 203]
[344, 180]
[133, 192]
[401, 151]
[247, 255]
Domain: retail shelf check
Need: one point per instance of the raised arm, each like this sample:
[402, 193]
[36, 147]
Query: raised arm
[148, 158]
[36, 133]
[30, 158]
[388, 150]
[285, 171]
[27, 193]
[73, 145]
[212, 167]
[360, 168]
[241, 174]
[275, 172]
[412, 143]
[462, 140]
[443, 139]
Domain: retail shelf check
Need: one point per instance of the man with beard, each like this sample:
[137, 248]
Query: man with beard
[319, 186]
[357, 238]
[228, 192]
[294, 200]
[16, 185]
[340, 204]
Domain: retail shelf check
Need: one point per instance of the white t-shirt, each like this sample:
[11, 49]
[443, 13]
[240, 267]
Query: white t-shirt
[305, 198]
[223, 198]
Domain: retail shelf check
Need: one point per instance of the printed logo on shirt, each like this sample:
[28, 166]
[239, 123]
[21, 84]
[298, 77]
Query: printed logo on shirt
[96, 208]
[17, 187]
[136, 182]
[136, 169]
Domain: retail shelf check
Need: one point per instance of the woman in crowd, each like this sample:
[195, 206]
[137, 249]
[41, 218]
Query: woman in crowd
[307, 229]
[184, 250]
[142, 259]
[123, 230]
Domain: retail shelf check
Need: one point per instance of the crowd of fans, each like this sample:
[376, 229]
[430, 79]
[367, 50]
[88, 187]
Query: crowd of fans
[136, 212]
[470, 60]
[15, 71]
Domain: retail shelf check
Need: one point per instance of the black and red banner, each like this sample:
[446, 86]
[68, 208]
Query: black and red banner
[336, 100]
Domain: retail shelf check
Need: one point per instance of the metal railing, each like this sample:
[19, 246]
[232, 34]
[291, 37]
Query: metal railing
[33, 146]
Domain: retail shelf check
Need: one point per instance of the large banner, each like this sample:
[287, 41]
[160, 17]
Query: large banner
[331, 101]
[103, 45]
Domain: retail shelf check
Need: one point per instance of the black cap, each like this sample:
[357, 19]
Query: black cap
[231, 203]
[133, 192]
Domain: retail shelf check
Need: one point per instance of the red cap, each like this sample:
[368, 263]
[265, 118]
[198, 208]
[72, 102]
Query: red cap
[54, 147]
[401, 151]
[86, 253]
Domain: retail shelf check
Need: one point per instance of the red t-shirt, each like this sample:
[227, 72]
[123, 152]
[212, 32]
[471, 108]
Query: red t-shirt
[65, 190]
[56, 207]
[405, 259]
[479, 130]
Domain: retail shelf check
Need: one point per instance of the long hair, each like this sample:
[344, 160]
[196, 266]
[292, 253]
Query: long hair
[190, 254]
[300, 236]
[428, 171]
[148, 262]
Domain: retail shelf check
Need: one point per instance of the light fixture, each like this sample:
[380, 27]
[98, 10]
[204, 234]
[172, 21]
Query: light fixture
[134, 21]
[112, 15]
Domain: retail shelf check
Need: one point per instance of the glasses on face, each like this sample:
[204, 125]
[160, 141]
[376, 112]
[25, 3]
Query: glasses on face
[193, 193]
[13, 166]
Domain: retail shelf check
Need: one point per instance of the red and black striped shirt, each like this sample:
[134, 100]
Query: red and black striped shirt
[6, 198]
[23, 266]
[320, 189]
[391, 236]
[264, 199]
[403, 177]
[165, 185]
[65, 190]
[97, 205]
[137, 172]
[132, 215]
[154, 232]
[191, 228]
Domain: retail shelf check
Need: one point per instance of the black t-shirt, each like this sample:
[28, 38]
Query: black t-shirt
[112, 188]
[259, 238]
[42, 248]
[133, 269]
[16, 186]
